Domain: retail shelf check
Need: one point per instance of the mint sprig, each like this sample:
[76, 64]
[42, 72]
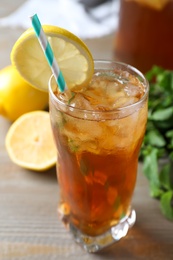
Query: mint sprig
[157, 148]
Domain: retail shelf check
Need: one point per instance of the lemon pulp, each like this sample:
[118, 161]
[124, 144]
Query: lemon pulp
[72, 55]
[29, 141]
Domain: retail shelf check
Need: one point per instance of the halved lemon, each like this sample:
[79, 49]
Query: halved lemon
[72, 55]
[29, 141]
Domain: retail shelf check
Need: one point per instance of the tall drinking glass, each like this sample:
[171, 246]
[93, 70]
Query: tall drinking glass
[98, 133]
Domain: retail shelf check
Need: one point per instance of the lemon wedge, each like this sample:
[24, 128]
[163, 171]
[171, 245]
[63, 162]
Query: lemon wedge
[72, 55]
[29, 141]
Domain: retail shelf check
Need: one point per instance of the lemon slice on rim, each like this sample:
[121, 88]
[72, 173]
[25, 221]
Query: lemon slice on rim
[29, 141]
[73, 57]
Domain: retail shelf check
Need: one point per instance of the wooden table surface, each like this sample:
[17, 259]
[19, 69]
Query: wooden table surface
[29, 227]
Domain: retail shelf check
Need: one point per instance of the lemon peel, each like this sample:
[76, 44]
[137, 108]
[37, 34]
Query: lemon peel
[29, 141]
[73, 57]
[17, 96]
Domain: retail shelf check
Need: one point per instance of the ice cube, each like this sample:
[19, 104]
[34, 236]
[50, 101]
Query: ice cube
[97, 82]
[124, 101]
[79, 101]
[133, 90]
[90, 127]
[114, 91]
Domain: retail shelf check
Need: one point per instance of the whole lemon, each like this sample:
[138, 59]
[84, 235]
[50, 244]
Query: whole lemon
[17, 96]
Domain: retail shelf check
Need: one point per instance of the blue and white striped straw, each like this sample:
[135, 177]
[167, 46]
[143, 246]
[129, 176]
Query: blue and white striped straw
[48, 52]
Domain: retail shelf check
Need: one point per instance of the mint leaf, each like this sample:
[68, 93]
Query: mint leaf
[155, 70]
[162, 114]
[165, 177]
[117, 203]
[166, 79]
[169, 134]
[73, 147]
[171, 157]
[155, 191]
[158, 141]
[72, 97]
[84, 167]
[155, 138]
[166, 204]
[150, 167]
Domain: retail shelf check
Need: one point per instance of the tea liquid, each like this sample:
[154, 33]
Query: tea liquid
[145, 35]
[98, 157]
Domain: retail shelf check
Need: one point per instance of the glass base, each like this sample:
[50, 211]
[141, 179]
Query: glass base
[96, 243]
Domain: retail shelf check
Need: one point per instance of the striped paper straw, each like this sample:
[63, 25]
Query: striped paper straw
[48, 52]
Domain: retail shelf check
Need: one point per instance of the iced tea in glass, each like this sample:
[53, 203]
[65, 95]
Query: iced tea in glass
[98, 132]
[144, 36]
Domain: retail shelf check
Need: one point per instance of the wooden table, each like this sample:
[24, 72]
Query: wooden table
[29, 227]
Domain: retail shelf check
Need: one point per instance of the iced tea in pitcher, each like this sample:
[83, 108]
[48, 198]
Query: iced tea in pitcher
[145, 33]
[98, 133]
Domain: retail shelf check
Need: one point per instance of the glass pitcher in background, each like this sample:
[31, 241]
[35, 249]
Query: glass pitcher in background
[144, 35]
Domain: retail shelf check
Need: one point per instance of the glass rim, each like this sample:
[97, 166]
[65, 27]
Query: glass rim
[118, 110]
